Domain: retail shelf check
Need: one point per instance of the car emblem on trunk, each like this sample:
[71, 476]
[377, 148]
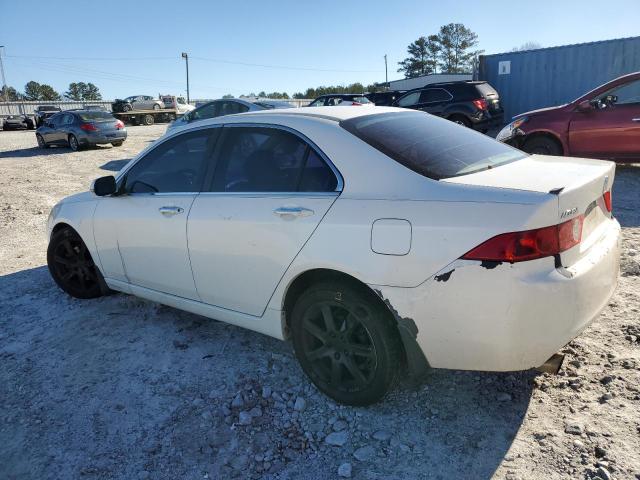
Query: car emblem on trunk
[569, 212]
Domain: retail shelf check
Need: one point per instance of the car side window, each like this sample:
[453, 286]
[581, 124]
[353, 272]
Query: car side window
[627, 94]
[177, 165]
[67, 119]
[259, 159]
[435, 95]
[206, 111]
[229, 108]
[409, 99]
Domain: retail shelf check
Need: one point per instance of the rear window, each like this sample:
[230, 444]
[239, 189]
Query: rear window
[431, 146]
[486, 90]
[95, 116]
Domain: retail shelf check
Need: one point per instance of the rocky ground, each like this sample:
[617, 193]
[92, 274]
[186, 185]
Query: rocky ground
[122, 388]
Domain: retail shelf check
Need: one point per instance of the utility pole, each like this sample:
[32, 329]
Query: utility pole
[386, 75]
[186, 58]
[4, 81]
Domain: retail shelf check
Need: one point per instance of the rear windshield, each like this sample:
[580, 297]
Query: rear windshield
[95, 116]
[431, 146]
[485, 89]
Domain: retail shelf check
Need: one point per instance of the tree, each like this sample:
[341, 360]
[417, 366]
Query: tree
[527, 46]
[228, 95]
[35, 91]
[423, 57]
[9, 94]
[456, 42]
[83, 91]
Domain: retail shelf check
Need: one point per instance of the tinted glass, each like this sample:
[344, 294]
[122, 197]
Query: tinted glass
[96, 116]
[205, 111]
[629, 93]
[316, 175]
[259, 160]
[409, 99]
[431, 146]
[177, 165]
[434, 95]
[229, 108]
[318, 102]
[67, 119]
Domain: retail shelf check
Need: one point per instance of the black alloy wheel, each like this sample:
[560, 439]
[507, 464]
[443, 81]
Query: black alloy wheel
[73, 143]
[71, 265]
[345, 342]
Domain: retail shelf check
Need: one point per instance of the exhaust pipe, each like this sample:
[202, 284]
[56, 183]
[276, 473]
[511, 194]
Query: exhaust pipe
[552, 365]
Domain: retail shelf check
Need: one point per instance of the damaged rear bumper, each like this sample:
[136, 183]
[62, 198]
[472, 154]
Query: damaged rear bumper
[503, 317]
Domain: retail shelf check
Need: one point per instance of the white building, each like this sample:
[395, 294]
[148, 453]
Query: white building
[417, 82]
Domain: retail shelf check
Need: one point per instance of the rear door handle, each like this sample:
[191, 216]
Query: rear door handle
[291, 212]
[170, 211]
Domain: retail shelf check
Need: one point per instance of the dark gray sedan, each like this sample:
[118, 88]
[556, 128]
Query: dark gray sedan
[81, 128]
[15, 122]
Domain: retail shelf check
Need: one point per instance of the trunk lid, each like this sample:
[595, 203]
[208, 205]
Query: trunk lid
[578, 184]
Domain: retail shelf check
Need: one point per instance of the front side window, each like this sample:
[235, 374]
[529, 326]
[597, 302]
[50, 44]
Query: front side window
[431, 146]
[209, 110]
[229, 108]
[409, 99]
[318, 102]
[177, 165]
[627, 94]
[259, 159]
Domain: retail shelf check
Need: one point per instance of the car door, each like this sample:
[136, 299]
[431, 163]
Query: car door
[141, 233]
[612, 131]
[434, 100]
[54, 134]
[270, 190]
[65, 128]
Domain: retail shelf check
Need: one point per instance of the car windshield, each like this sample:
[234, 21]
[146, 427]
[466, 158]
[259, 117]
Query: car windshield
[430, 146]
[95, 116]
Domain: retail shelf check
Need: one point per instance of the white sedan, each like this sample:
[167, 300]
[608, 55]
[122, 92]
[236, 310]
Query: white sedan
[371, 238]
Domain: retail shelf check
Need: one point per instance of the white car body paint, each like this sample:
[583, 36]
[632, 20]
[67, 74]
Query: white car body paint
[469, 315]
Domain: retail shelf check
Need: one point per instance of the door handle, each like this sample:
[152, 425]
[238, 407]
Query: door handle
[291, 212]
[170, 211]
[635, 119]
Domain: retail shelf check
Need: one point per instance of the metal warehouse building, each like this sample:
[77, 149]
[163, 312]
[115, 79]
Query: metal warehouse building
[545, 77]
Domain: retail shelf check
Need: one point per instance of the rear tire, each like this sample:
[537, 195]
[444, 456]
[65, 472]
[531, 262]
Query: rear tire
[126, 107]
[345, 342]
[148, 119]
[156, 106]
[73, 143]
[117, 144]
[71, 265]
[542, 146]
[461, 120]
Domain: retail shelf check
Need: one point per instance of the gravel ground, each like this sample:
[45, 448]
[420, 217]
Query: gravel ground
[122, 388]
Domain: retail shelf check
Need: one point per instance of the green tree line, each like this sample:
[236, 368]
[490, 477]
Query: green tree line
[34, 91]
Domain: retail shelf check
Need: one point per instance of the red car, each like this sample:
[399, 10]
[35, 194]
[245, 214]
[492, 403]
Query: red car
[604, 123]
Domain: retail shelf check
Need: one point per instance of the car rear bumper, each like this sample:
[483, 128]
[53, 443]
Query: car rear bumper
[508, 316]
[101, 138]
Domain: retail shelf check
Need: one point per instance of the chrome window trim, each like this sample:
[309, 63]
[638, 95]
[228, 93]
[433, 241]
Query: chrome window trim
[272, 194]
[303, 137]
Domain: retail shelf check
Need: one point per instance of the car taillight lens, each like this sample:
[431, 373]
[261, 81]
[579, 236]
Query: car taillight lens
[480, 103]
[88, 127]
[119, 124]
[607, 201]
[529, 244]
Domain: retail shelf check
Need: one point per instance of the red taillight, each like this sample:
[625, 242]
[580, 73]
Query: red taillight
[529, 244]
[607, 200]
[119, 124]
[88, 127]
[480, 103]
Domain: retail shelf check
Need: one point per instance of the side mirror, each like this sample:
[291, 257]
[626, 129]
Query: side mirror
[104, 186]
[585, 106]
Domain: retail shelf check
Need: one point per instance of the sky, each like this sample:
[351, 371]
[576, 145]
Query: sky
[239, 47]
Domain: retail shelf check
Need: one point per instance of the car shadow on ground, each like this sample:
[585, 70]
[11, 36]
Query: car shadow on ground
[115, 165]
[51, 150]
[120, 385]
[626, 195]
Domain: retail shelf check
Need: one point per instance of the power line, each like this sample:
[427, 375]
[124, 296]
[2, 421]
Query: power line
[205, 59]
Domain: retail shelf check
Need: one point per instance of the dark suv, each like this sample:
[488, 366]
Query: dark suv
[43, 112]
[470, 103]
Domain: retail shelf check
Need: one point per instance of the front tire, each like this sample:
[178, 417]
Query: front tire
[41, 142]
[71, 265]
[73, 143]
[542, 146]
[345, 342]
[156, 106]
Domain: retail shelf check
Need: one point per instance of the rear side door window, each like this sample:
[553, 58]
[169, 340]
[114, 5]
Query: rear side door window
[435, 95]
[176, 166]
[263, 159]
